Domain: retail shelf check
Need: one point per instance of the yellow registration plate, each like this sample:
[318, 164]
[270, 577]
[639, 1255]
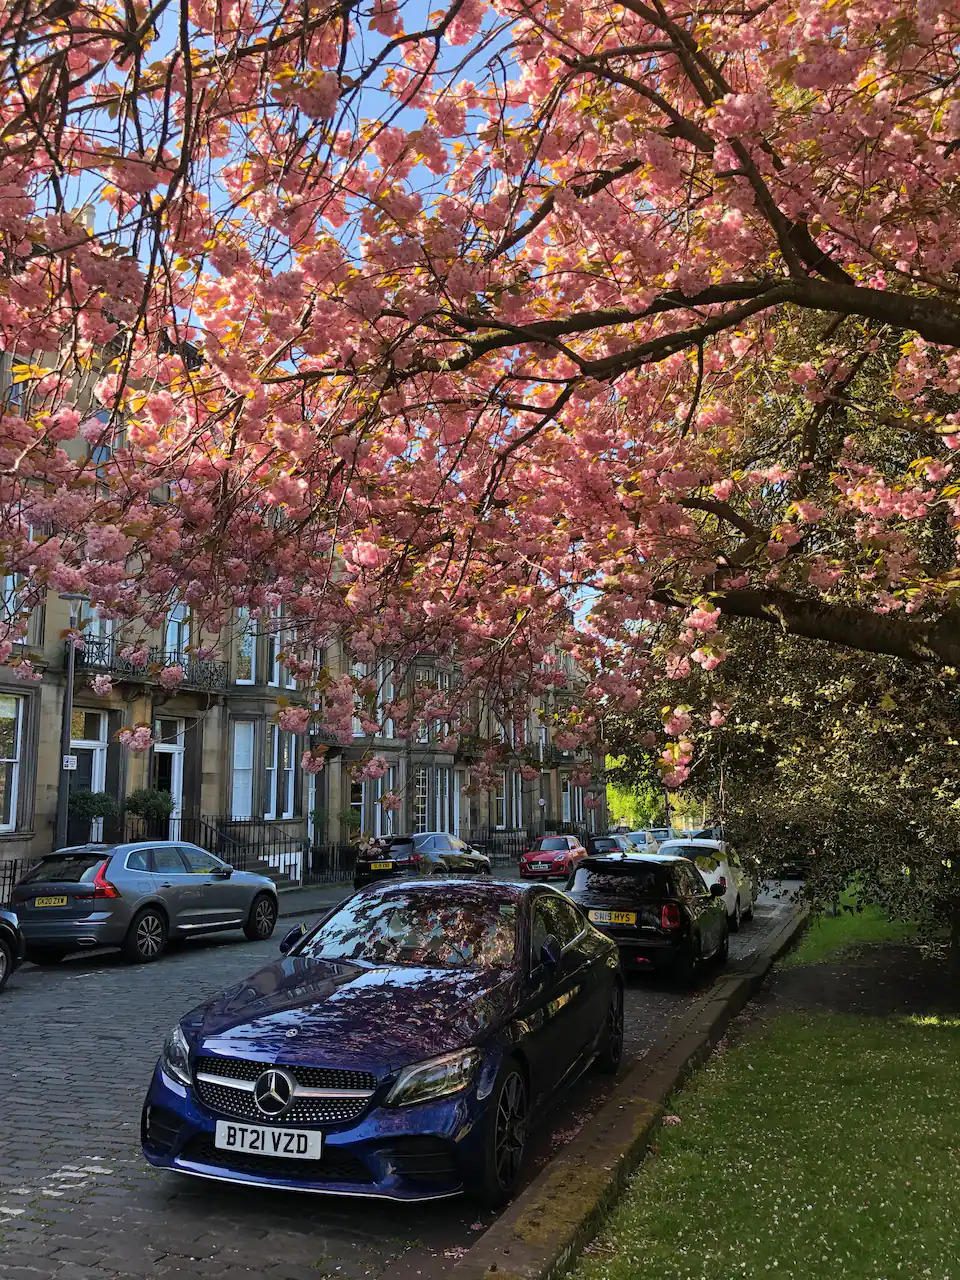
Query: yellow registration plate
[381, 866]
[613, 917]
[59, 901]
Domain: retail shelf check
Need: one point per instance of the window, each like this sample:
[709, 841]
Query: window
[199, 862]
[442, 727]
[176, 637]
[508, 806]
[11, 743]
[288, 643]
[166, 861]
[241, 802]
[421, 800]
[443, 783]
[620, 881]
[246, 669]
[287, 776]
[568, 923]
[688, 881]
[138, 860]
[358, 795]
[270, 771]
[67, 868]
[551, 915]
[359, 671]
[385, 695]
[273, 648]
[383, 819]
[423, 679]
[565, 796]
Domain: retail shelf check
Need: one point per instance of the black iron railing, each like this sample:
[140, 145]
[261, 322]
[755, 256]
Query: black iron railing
[11, 873]
[104, 655]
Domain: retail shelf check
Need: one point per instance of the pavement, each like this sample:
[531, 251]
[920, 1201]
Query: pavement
[77, 1201]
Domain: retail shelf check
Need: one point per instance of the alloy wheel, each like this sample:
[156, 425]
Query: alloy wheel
[264, 918]
[511, 1129]
[3, 966]
[150, 936]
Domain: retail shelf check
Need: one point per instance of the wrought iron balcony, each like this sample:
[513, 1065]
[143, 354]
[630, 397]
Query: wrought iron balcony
[104, 655]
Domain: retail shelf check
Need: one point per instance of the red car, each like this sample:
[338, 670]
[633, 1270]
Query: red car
[552, 856]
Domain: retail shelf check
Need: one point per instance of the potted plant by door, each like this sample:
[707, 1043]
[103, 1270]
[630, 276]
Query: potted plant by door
[154, 807]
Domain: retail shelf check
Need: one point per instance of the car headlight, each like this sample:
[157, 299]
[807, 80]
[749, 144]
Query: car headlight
[175, 1056]
[435, 1078]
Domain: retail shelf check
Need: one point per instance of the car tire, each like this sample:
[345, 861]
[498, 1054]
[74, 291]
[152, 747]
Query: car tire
[505, 1135]
[748, 915]
[146, 938]
[687, 966]
[723, 951]
[737, 917]
[6, 963]
[262, 919]
[611, 1052]
[44, 959]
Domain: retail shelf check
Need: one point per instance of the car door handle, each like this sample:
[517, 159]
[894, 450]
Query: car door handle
[166, 884]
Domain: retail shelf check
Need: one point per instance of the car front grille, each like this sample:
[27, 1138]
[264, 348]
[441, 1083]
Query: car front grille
[161, 1128]
[333, 1166]
[239, 1102]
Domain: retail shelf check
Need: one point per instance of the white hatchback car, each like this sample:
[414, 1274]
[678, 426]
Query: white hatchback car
[720, 863]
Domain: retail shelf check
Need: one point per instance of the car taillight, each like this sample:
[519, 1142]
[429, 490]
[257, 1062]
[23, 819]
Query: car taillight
[722, 882]
[102, 888]
[670, 916]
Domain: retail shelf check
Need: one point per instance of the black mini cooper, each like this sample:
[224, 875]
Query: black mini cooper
[658, 910]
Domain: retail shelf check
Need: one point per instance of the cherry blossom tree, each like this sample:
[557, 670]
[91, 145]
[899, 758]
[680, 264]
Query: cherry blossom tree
[494, 331]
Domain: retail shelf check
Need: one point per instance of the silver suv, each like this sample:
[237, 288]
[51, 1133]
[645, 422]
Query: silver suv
[136, 897]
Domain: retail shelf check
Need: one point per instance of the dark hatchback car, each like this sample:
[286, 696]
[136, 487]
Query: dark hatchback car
[610, 844]
[658, 910]
[12, 946]
[398, 1050]
[427, 853]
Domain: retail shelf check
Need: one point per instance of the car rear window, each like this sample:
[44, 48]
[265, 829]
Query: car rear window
[551, 842]
[621, 880]
[71, 868]
[605, 844]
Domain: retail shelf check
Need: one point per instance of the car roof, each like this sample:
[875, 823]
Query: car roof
[493, 889]
[631, 859]
[694, 842]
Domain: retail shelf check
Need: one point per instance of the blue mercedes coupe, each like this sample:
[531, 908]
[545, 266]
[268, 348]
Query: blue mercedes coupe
[400, 1049]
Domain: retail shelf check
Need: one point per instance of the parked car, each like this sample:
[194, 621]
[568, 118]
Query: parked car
[12, 946]
[552, 856]
[722, 865]
[427, 853]
[400, 1049]
[610, 844]
[136, 897]
[657, 908]
[644, 839]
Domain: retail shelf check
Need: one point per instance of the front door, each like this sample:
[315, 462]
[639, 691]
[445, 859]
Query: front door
[168, 748]
[88, 742]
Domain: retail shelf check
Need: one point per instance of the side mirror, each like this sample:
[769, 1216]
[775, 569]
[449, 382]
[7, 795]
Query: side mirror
[550, 952]
[291, 938]
[225, 872]
[717, 890]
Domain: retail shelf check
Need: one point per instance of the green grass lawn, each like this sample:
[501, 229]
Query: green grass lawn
[821, 1146]
[828, 936]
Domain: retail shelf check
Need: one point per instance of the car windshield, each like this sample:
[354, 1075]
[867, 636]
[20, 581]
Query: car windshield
[624, 881]
[707, 859]
[440, 930]
[549, 843]
[69, 867]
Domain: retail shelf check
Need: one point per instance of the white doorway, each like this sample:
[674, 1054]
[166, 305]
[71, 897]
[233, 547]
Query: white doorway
[168, 750]
[88, 742]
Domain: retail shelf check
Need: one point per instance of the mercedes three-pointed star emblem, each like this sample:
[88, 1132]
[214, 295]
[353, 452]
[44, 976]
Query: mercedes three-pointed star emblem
[273, 1092]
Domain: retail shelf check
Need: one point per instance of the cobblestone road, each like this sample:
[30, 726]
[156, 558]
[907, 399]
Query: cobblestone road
[77, 1202]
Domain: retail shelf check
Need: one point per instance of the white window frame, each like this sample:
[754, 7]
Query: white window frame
[384, 819]
[386, 692]
[177, 750]
[358, 801]
[565, 790]
[443, 780]
[271, 740]
[178, 619]
[247, 635]
[273, 649]
[248, 771]
[286, 774]
[15, 760]
[359, 671]
[421, 799]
